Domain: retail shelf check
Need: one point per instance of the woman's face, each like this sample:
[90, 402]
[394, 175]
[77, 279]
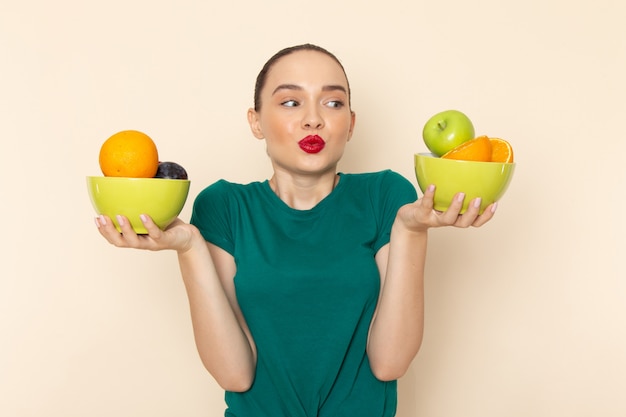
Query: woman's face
[305, 116]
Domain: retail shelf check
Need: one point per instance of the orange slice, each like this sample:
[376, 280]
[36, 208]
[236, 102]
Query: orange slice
[478, 149]
[501, 150]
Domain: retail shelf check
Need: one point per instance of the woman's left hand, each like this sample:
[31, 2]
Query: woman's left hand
[420, 215]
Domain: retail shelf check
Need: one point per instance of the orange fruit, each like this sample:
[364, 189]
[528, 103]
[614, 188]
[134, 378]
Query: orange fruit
[501, 150]
[478, 149]
[129, 153]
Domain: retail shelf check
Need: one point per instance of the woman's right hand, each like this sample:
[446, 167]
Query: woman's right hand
[177, 236]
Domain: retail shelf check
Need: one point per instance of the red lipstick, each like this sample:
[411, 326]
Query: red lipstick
[312, 144]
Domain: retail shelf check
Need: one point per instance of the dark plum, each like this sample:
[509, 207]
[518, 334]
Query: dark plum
[171, 170]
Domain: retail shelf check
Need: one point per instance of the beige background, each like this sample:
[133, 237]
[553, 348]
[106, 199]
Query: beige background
[525, 317]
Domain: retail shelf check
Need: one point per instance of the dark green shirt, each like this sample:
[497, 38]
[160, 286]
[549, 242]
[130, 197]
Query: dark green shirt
[307, 283]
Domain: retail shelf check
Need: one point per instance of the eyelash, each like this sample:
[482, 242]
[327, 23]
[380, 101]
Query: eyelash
[290, 103]
[336, 104]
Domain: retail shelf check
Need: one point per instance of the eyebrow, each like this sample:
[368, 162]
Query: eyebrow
[331, 87]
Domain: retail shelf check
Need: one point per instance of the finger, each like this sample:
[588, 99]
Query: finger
[471, 214]
[451, 215]
[428, 198]
[107, 229]
[151, 227]
[487, 215]
[128, 233]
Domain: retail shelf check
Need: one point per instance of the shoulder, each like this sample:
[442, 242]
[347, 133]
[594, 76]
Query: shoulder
[386, 174]
[223, 197]
[226, 190]
[386, 180]
[221, 186]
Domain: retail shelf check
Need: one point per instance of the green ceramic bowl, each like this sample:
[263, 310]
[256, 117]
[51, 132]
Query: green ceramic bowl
[488, 180]
[162, 199]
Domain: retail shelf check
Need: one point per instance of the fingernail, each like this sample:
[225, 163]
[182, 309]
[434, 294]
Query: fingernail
[97, 221]
[143, 218]
[431, 187]
[460, 197]
[120, 220]
[477, 202]
[494, 207]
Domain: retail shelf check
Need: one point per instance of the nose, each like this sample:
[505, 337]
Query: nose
[312, 119]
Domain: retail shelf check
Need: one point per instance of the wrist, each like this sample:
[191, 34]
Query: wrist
[196, 240]
[400, 227]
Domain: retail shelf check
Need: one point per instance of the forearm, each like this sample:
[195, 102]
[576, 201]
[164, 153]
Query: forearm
[224, 348]
[397, 329]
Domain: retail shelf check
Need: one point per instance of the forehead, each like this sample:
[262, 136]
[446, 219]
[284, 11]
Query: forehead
[306, 68]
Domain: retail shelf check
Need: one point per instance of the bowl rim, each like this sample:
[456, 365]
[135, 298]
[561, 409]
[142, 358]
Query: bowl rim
[105, 178]
[430, 155]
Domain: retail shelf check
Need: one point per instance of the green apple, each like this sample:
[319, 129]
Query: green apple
[446, 130]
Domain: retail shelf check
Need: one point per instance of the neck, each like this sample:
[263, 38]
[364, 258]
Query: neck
[303, 193]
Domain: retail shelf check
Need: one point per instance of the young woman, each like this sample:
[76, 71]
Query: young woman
[305, 290]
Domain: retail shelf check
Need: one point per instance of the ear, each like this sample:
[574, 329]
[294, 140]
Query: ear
[255, 124]
[352, 123]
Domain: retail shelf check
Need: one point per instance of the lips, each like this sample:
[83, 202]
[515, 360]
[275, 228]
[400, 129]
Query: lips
[312, 144]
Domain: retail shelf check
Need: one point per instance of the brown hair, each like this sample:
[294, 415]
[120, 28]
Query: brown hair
[262, 77]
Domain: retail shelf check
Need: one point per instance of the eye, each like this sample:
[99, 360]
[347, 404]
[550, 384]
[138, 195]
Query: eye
[337, 104]
[290, 103]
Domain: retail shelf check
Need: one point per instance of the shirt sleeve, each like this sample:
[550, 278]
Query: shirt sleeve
[211, 214]
[394, 191]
